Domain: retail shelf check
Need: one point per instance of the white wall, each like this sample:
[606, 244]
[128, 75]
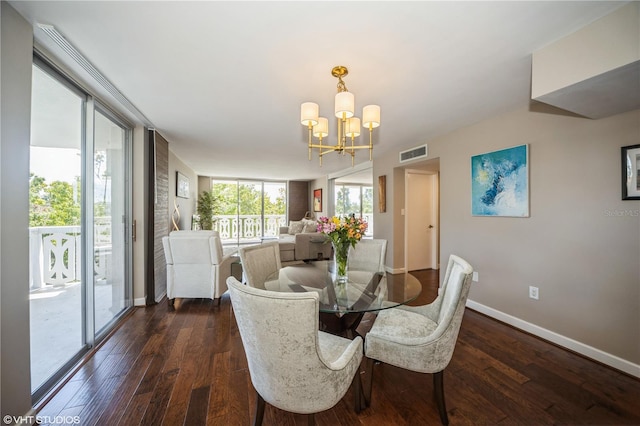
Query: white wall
[610, 42]
[15, 113]
[581, 245]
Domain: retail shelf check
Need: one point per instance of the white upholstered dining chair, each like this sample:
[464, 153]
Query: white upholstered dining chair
[259, 262]
[293, 366]
[196, 265]
[422, 338]
[368, 255]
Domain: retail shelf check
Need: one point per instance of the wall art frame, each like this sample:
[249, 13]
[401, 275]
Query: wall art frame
[500, 183]
[182, 185]
[317, 200]
[630, 172]
[382, 193]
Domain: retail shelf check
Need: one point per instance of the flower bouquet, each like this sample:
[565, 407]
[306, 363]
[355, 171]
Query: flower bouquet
[344, 232]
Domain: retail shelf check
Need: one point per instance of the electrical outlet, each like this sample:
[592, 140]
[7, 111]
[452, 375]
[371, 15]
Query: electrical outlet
[533, 292]
[474, 277]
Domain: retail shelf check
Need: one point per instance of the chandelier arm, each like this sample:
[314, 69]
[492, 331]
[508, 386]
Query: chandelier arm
[370, 143]
[329, 150]
[310, 131]
[355, 147]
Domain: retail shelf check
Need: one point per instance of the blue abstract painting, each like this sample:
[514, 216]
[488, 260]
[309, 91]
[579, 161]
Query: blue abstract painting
[500, 183]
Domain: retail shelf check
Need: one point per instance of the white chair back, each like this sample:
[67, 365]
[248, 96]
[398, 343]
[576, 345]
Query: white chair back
[368, 255]
[196, 266]
[292, 365]
[259, 262]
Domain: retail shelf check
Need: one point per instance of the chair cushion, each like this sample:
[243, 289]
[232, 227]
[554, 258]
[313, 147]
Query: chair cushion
[402, 327]
[286, 245]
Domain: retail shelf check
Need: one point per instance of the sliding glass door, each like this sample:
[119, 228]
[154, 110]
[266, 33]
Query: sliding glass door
[56, 214]
[109, 214]
[79, 210]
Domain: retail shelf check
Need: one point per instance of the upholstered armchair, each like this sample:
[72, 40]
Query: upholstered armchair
[293, 366]
[196, 265]
[368, 255]
[422, 338]
[259, 262]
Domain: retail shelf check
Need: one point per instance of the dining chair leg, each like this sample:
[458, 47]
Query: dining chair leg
[369, 381]
[438, 388]
[257, 421]
[357, 390]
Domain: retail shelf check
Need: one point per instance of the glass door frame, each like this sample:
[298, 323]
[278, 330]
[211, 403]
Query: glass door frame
[90, 105]
[128, 217]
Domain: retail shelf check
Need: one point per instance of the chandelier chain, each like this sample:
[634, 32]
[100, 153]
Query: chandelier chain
[341, 86]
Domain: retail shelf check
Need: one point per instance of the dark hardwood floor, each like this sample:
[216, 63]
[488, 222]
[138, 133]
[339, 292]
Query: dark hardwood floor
[187, 366]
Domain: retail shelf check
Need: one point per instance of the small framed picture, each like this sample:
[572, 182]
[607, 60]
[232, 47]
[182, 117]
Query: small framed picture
[317, 200]
[382, 193]
[182, 185]
[631, 172]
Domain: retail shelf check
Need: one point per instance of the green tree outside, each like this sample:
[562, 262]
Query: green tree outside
[53, 204]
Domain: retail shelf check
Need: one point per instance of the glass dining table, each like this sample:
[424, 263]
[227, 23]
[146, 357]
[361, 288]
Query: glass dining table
[342, 306]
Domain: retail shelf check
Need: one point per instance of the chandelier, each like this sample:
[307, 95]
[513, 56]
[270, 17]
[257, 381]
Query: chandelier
[348, 124]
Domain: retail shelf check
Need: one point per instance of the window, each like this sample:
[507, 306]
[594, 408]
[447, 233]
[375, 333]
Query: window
[355, 199]
[249, 211]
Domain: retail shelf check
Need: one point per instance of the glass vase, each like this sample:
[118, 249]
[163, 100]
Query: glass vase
[340, 258]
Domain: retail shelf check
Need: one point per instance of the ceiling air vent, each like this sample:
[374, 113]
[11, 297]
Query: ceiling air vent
[416, 153]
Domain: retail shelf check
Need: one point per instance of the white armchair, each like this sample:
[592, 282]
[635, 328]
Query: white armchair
[368, 255]
[422, 338]
[196, 265]
[292, 365]
[259, 262]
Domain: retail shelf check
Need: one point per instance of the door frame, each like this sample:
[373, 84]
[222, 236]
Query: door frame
[435, 194]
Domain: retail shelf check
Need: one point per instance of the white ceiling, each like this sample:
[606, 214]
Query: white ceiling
[223, 81]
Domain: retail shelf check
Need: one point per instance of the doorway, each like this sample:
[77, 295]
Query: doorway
[421, 220]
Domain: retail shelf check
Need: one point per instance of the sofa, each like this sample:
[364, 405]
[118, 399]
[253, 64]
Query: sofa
[301, 241]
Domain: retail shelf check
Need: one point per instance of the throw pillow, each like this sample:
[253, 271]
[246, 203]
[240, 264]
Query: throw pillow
[295, 227]
[309, 225]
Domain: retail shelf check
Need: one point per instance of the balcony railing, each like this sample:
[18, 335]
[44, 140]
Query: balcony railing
[247, 228]
[55, 252]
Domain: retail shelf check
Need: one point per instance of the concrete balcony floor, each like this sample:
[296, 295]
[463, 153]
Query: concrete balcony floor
[56, 325]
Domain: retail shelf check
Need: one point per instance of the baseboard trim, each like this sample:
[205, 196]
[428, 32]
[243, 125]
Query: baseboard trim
[394, 270]
[140, 301]
[553, 337]
[159, 298]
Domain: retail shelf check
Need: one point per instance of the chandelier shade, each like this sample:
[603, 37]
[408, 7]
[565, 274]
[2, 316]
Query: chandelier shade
[352, 130]
[321, 130]
[371, 116]
[349, 126]
[345, 105]
[309, 114]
